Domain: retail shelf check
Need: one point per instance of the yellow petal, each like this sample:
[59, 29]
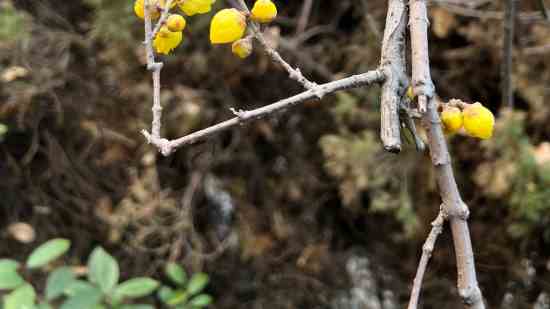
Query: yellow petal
[451, 118]
[228, 25]
[192, 7]
[165, 40]
[478, 121]
[242, 48]
[263, 11]
[176, 23]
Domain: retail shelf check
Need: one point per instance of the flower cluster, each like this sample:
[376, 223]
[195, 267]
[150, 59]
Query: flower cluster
[476, 119]
[227, 25]
[170, 34]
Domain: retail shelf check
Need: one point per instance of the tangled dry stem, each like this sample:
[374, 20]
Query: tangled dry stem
[391, 74]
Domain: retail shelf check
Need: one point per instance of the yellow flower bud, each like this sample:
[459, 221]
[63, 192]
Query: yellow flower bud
[139, 9]
[156, 7]
[227, 26]
[192, 7]
[175, 23]
[166, 40]
[410, 93]
[242, 48]
[263, 11]
[451, 118]
[478, 121]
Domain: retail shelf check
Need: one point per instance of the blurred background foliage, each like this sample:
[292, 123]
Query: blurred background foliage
[281, 213]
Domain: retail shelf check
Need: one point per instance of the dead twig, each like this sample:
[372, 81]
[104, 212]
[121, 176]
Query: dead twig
[392, 63]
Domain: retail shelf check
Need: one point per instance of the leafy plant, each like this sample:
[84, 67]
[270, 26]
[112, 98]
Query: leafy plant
[99, 289]
[187, 293]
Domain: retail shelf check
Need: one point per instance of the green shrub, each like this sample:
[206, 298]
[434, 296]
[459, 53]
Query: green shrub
[99, 289]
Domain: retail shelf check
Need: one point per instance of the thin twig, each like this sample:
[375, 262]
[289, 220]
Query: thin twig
[507, 89]
[427, 250]
[294, 74]
[168, 146]
[393, 64]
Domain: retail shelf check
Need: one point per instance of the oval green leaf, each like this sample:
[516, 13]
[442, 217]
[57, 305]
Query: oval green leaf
[197, 283]
[21, 298]
[10, 279]
[48, 252]
[87, 298]
[58, 281]
[134, 288]
[8, 265]
[103, 270]
[176, 273]
[201, 300]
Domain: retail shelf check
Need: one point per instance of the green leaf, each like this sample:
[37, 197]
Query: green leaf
[178, 297]
[197, 283]
[165, 293]
[201, 300]
[8, 265]
[103, 270]
[48, 252]
[21, 298]
[85, 298]
[134, 288]
[10, 279]
[176, 273]
[58, 281]
[76, 286]
[136, 306]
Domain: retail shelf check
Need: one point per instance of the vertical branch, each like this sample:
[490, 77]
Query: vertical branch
[393, 65]
[507, 54]
[421, 79]
[453, 206]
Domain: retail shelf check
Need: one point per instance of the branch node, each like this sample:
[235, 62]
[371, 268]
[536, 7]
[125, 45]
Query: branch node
[470, 295]
[241, 114]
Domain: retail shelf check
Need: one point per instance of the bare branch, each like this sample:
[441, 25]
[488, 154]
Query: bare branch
[453, 206]
[168, 146]
[427, 250]
[507, 54]
[393, 64]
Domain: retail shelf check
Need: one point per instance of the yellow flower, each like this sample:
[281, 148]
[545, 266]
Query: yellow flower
[451, 118]
[227, 26]
[166, 40]
[242, 48]
[478, 121]
[263, 11]
[156, 7]
[192, 7]
[140, 11]
[175, 23]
